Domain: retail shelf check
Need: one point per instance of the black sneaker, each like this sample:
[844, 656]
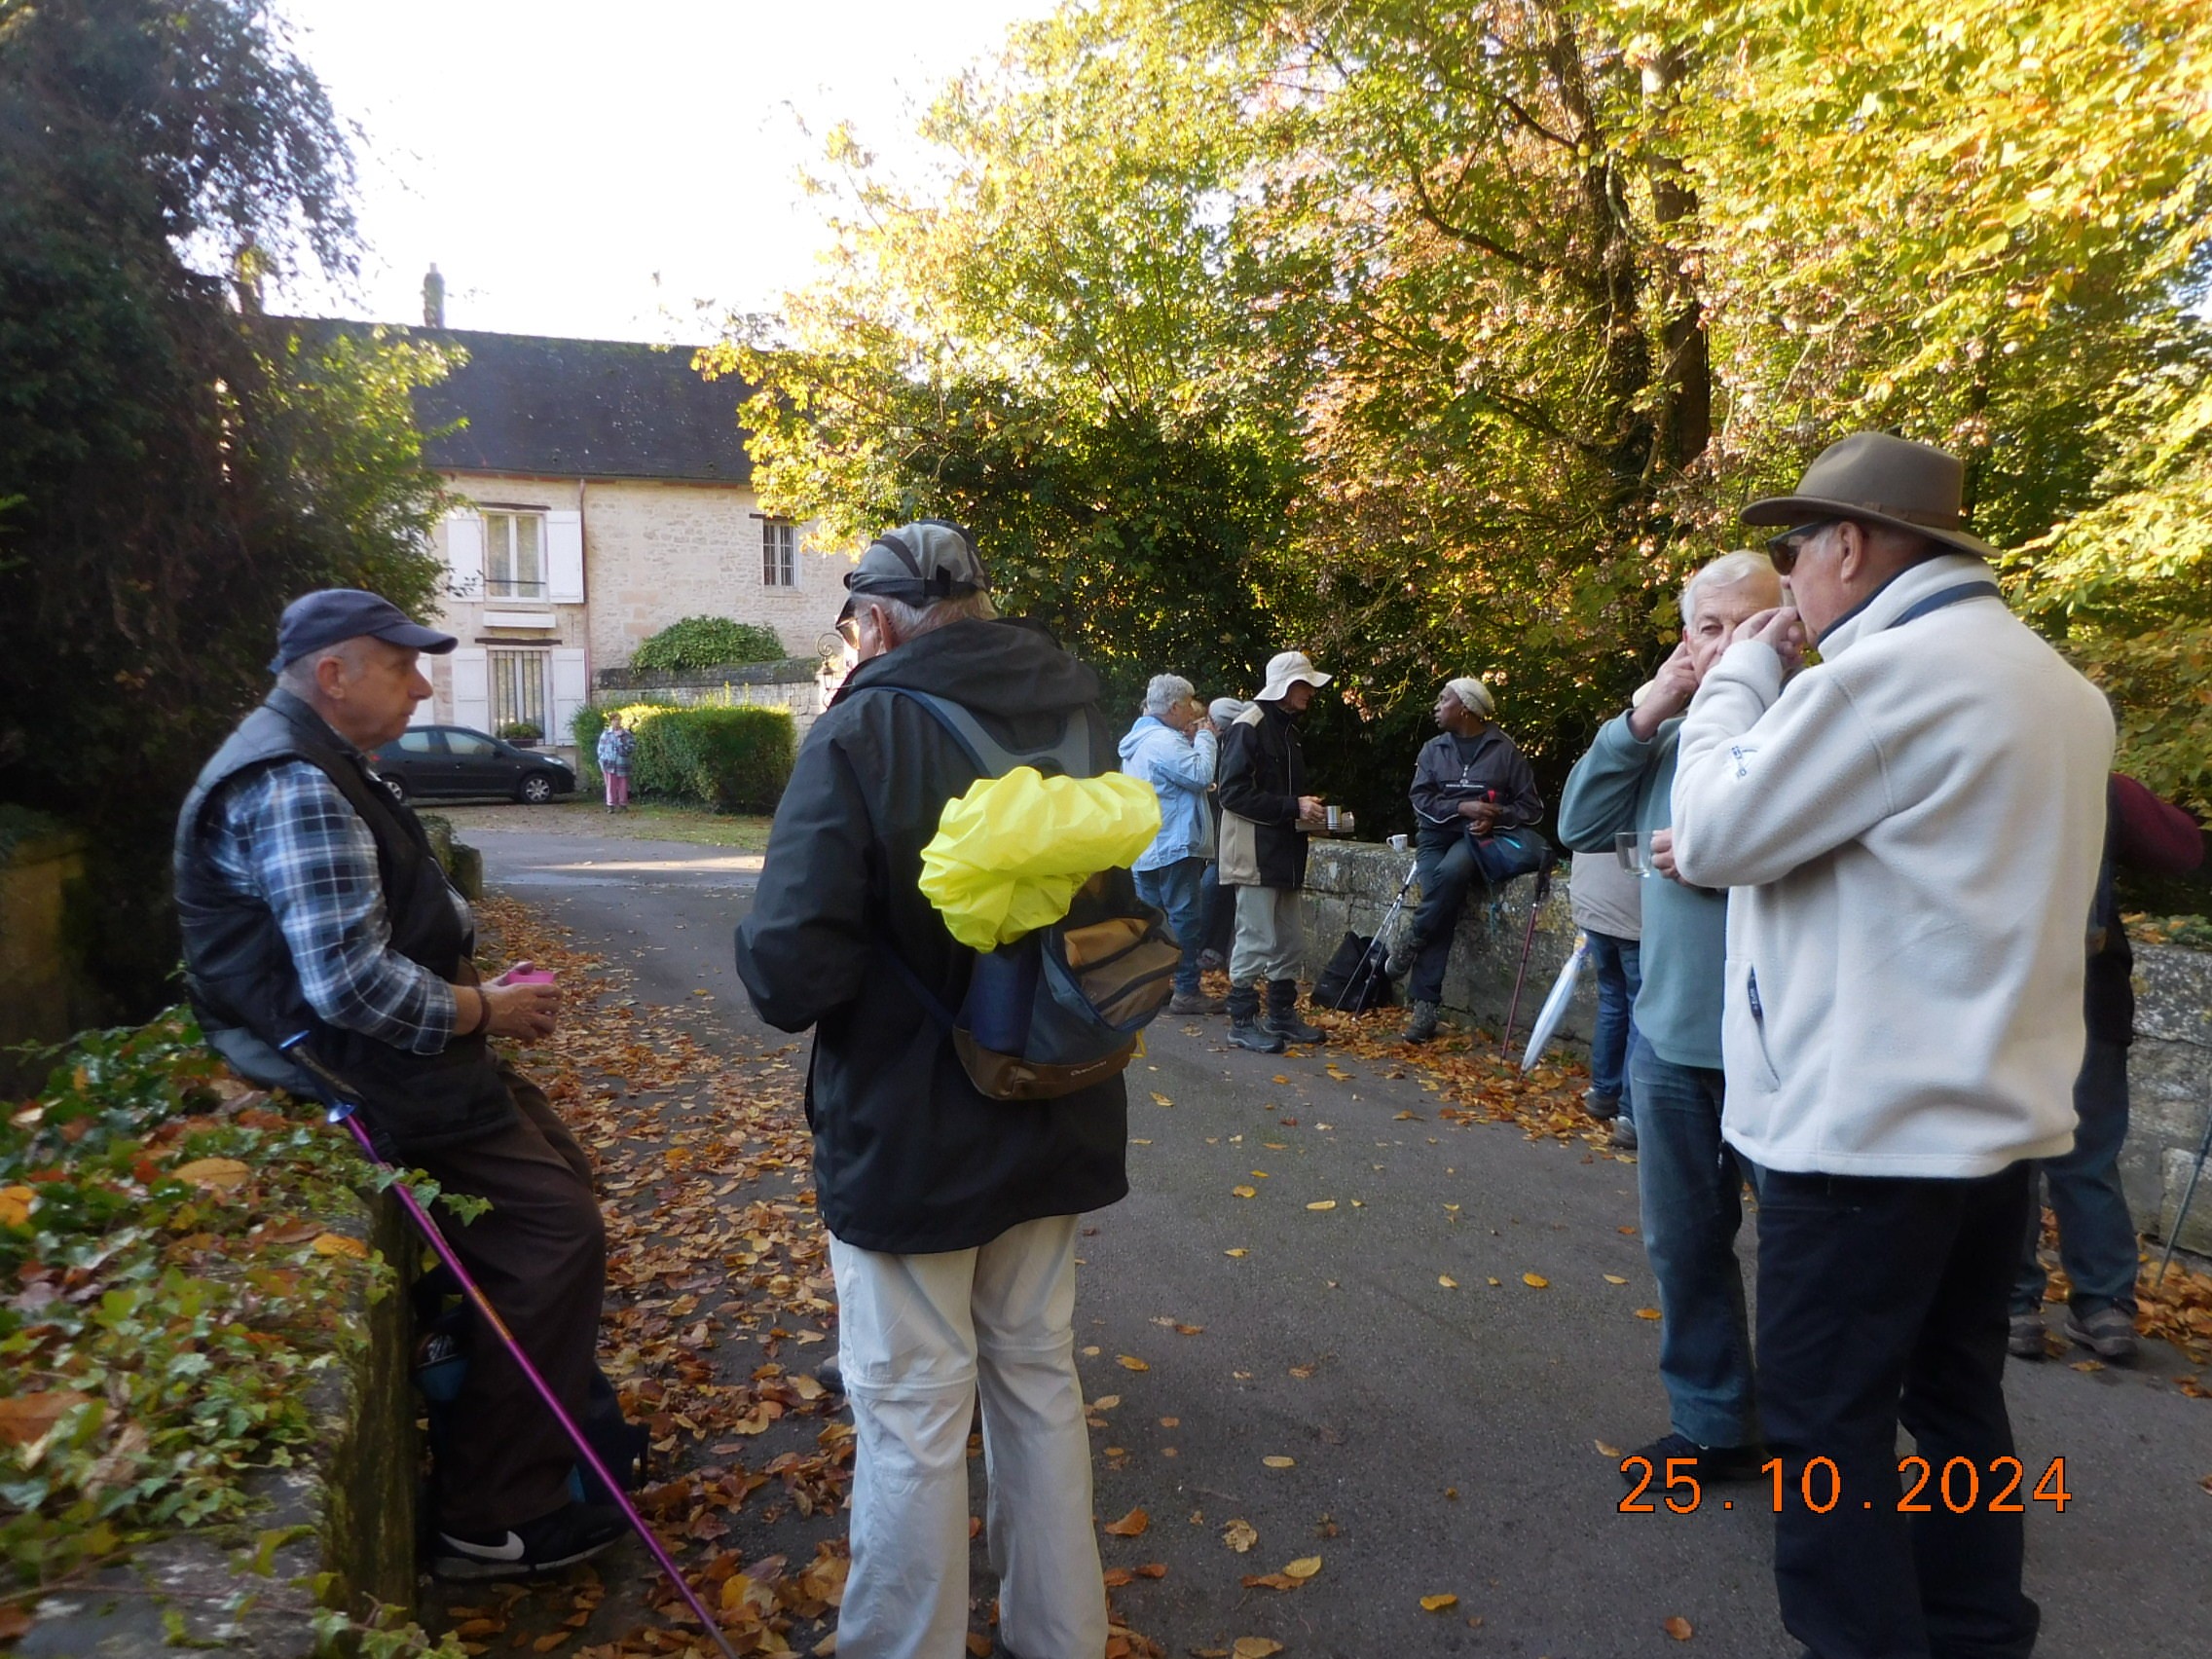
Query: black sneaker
[573, 1532]
[2023, 1337]
[1711, 1462]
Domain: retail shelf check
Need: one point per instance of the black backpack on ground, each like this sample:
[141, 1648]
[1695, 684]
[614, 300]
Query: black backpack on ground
[1353, 980]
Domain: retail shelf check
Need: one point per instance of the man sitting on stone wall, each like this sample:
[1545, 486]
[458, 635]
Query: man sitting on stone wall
[310, 902]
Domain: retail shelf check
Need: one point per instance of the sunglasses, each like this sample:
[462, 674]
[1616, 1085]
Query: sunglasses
[849, 631]
[1783, 549]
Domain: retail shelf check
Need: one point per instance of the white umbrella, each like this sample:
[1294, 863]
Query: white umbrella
[1555, 1005]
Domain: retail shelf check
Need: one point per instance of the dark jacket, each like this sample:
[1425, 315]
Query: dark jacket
[1497, 770]
[2142, 833]
[909, 1156]
[239, 968]
[1263, 775]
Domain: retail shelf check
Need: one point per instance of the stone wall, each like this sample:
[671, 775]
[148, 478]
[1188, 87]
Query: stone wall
[41, 994]
[796, 684]
[347, 1516]
[2169, 1081]
[1352, 884]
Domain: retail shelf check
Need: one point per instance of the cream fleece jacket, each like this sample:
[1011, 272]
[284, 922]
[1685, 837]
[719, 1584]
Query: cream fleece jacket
[1911, 831]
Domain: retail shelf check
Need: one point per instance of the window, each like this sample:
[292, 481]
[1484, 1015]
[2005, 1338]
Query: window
[514, 556]
[420, 742]
[518, 690]
[469, 744]
[779, 553]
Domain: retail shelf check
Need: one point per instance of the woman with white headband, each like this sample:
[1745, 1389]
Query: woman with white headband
[1469, 783]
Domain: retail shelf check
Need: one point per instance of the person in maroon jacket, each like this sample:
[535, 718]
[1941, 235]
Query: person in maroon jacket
[2097, 1234]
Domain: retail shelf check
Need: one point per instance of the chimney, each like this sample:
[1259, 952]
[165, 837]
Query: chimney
[433, 300]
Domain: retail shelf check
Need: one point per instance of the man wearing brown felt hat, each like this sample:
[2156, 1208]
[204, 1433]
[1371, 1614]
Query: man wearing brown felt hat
[1909, 831]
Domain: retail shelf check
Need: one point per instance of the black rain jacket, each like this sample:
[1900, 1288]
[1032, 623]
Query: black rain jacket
[1263, 774]
[908, 1156]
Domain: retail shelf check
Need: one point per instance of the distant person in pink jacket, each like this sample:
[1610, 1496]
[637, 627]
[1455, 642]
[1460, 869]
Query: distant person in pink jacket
[616, 744]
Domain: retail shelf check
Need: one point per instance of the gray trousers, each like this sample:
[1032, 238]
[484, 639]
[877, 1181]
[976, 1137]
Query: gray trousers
[1271, 935]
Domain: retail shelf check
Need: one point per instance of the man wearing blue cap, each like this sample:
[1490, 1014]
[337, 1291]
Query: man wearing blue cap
[310, 902]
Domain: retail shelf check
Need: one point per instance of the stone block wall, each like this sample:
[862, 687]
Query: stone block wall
[2169, 1081]
[349, 1512]
[1351, 885]
[797, 685]
[41, 994]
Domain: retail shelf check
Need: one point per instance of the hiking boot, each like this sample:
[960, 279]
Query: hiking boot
[2109, 1332]
[573, 1532]
[1195, 1002]
[1710, 1462]
[1251, 1034]
[1282, 1014]
[1623, 1134]
[1398, 961]
[1420, 1022]
[1244, 1028]
[2024, 1338]
[1603, 1107]
[1212, 962]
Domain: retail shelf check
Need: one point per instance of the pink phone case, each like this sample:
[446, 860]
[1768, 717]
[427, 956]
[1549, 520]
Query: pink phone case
[533, 977]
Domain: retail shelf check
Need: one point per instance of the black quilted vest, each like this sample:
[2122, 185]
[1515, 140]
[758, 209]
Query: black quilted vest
[239, 968]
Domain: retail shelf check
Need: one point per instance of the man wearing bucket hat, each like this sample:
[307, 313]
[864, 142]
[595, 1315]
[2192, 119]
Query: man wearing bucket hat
[1911, 833]
[951, 1215]
[1267, 816]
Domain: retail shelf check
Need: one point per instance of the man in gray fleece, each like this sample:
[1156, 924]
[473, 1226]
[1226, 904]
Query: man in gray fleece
[1688, 1181]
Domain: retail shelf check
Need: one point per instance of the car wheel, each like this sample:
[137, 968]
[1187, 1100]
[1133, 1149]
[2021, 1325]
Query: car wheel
[395, 785]
[535, 789]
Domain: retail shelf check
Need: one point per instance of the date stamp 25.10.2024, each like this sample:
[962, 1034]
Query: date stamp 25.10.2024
[1961, 1486]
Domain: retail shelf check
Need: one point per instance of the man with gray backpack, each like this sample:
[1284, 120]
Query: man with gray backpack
[951, 1196]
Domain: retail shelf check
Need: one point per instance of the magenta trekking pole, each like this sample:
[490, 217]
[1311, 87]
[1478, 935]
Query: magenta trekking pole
[337, 1097]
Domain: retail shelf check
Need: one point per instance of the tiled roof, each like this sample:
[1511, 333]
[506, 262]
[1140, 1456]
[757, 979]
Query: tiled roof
[579, 408]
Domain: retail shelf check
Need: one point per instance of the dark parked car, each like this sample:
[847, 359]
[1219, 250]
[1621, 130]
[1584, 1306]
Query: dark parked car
[454, 760]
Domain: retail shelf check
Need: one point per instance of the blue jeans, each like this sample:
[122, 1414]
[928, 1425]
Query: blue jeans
[1620, 976]
[1445, 859]
[2096, 1233]
[1173, 889]
[1690, 1187]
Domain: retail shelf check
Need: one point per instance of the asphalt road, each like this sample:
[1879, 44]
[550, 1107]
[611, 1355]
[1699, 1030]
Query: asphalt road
[1444, 1440]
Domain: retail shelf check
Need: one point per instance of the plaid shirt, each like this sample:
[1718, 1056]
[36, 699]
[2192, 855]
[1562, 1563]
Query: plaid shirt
[285, 836]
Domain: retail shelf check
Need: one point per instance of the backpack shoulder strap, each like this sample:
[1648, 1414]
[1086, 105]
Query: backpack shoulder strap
[1071, 753]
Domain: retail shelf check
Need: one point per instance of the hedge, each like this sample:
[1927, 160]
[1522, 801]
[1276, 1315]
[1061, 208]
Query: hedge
[707, 642]
[724, 758]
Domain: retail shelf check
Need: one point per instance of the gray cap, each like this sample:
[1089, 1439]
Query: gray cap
[317, 619]
[918, 564]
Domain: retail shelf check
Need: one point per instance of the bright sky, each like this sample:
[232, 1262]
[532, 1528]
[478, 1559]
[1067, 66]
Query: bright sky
[594, 169]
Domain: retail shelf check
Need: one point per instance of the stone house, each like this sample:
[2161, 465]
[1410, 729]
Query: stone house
[607, 493]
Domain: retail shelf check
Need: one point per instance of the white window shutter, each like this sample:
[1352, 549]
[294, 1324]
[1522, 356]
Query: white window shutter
[472, 687]
[464, 555]
[565, 557]
[571, 690]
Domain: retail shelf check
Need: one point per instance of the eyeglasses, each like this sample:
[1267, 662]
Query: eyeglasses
[849, 631]
[1783, 549]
